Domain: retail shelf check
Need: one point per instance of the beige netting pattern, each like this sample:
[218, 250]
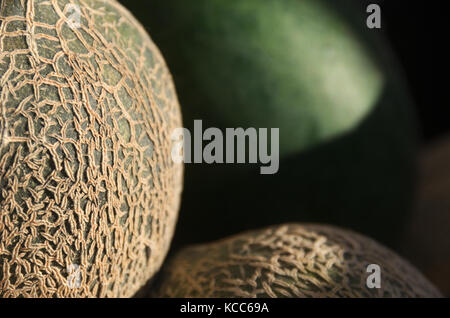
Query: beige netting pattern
[88, 192]
[290, 261]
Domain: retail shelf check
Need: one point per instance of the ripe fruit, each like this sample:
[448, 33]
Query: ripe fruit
[291, 261]
[89, 193]
[313, 69]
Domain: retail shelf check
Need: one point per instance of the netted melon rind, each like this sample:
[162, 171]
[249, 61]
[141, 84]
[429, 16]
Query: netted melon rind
[86, 177]
[290, 261]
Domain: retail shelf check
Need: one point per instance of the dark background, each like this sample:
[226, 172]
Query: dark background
[418, 34]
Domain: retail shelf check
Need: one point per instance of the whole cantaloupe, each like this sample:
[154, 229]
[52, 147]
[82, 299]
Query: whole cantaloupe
[291, 261]
[313, 69]
[89, 194]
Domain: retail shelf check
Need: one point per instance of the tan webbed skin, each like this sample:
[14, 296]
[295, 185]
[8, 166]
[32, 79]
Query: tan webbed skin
[290, 261]
[86, 176]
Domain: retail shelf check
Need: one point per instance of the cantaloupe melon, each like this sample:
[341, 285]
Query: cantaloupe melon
[89, 194]
[292, 260]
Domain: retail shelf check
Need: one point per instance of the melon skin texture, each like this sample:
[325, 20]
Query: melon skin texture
[89, 194]
[312, 69]
[291, 260]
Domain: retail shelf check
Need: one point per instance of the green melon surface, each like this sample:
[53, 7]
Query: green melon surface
[312, 69]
